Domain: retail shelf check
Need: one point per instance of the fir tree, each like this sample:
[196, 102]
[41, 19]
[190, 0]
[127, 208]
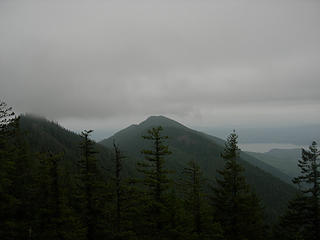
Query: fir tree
[8, 201]
[125, 198]
[156, 182]
[118, 167]
[7, 116]
[309, 165]
[236, 207]
[202, 225]
[24, 183]
[122, 197]
[193, 194]
[93, 191]
[291, 224]
[54, 217]
[16, 178]
[302, 218]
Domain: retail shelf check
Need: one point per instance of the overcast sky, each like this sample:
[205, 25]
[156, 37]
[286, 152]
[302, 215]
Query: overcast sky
[107, 64]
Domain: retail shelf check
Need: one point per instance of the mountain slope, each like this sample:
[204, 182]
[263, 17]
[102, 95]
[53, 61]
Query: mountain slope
[285, 160]
[43, 136]
[259, 160]
[187, 144]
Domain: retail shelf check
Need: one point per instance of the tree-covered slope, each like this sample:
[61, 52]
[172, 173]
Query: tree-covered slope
[187, 144]
[285, 160]
[43, 136]
[260, 160]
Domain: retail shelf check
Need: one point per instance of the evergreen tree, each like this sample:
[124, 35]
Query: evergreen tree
[92, 191]
[193, 190]
[57, 217]
[177, 225]
[23, 179]
[236, 207]
[54, 217]
[8, 201]
[291, 224]
[124, 199]
[16, 178]
[47, 211]
[7, 116]
[202, 226]
[309, 165]
[156, 183]
[117, 178]
[302, 218]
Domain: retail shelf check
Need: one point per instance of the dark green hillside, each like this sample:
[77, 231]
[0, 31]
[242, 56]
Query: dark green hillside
[260, 160]
[267, 167]
[283, 159]
[43, 135]
[187, 144]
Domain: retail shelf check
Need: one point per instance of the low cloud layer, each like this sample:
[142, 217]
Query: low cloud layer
[201, 62]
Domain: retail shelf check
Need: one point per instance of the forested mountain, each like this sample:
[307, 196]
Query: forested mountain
[158, 176]
[187, 144]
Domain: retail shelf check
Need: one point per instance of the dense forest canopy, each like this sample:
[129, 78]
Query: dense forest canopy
[155, 180]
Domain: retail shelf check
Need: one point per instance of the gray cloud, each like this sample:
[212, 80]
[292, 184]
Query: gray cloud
[201, 62]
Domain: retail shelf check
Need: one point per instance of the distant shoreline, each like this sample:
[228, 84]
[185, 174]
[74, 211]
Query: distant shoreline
[266, 147]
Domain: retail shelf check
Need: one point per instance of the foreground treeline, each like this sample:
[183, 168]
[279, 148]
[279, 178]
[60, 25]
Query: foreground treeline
[41, 197]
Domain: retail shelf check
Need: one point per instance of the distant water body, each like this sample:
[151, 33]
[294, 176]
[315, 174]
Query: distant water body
[266, 147]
